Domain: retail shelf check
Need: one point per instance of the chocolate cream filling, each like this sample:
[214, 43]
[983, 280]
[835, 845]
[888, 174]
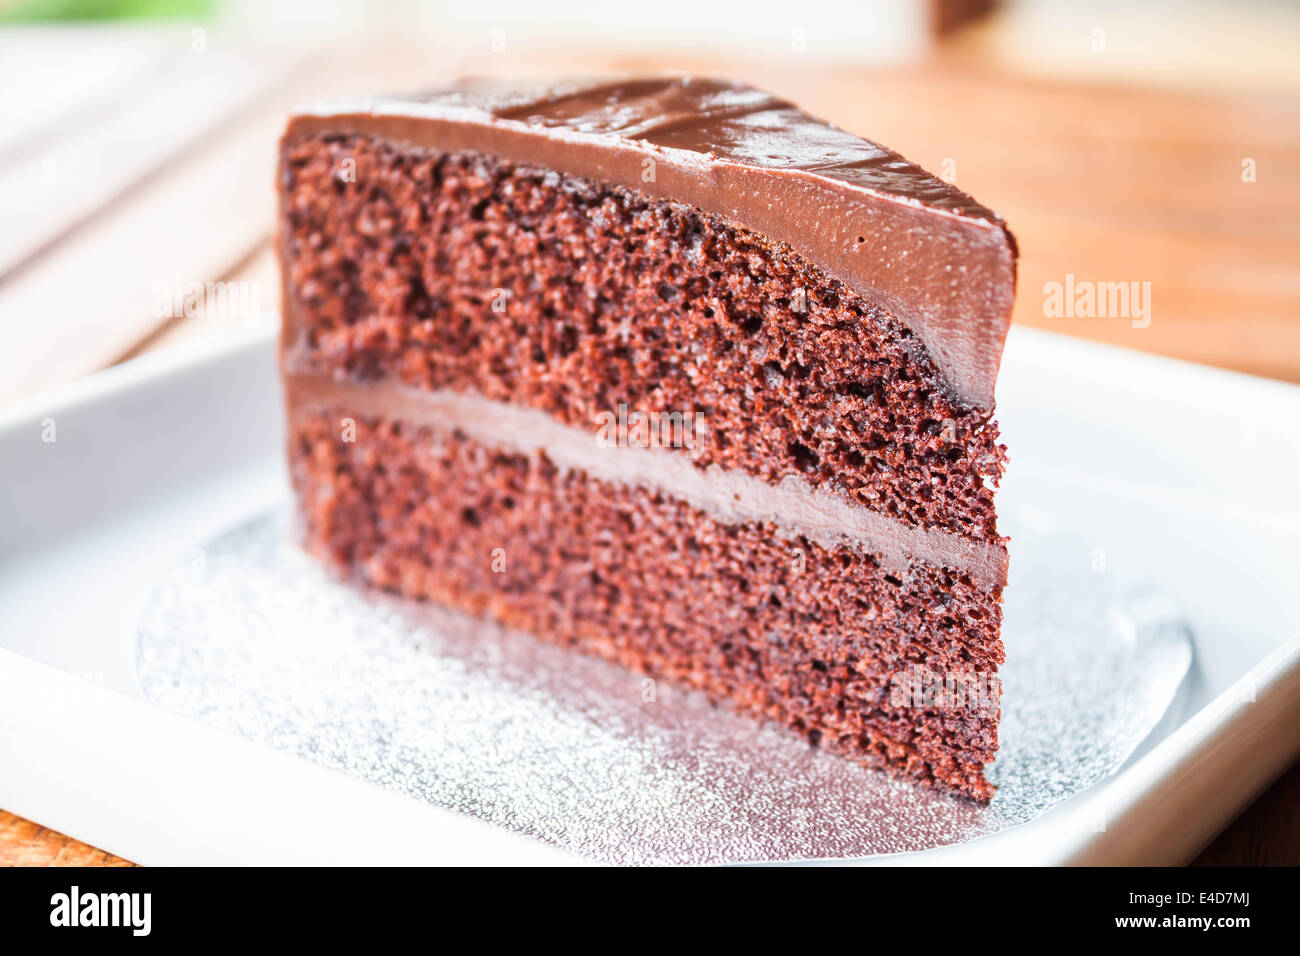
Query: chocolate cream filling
[792, 505]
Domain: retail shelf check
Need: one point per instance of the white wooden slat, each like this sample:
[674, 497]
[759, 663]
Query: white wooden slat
[92, 297]
[261, 271]
[88, 299]
[51, 76]
[48, 190]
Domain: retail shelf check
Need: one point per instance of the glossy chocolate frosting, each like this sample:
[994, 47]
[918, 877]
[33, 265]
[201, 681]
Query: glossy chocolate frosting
[937, 260]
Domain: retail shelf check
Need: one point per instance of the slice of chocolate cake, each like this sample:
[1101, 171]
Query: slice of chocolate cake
[666, 371]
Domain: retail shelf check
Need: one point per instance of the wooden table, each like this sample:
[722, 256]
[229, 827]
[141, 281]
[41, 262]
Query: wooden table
[1097, 179]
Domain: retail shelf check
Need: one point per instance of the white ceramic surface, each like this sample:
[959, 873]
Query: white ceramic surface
[1183, 472]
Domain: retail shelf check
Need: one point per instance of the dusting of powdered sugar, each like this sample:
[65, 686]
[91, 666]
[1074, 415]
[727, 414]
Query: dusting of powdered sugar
[257, 639]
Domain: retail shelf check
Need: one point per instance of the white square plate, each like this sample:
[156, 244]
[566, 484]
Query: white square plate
[1187, 471]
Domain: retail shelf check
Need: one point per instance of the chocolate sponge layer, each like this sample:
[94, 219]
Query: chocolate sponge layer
[815, 638]
[460, 271]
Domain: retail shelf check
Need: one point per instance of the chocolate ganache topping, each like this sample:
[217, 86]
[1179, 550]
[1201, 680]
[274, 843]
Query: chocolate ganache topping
[932, 256]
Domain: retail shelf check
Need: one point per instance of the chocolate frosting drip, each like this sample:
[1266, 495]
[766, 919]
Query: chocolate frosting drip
[920, 248]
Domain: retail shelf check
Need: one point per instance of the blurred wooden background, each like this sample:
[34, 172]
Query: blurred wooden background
[1138, 161]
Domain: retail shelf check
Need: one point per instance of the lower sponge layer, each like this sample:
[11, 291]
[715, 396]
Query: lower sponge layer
[818, 639]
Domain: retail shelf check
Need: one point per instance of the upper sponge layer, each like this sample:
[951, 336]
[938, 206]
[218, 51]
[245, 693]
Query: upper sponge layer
[933, 257]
